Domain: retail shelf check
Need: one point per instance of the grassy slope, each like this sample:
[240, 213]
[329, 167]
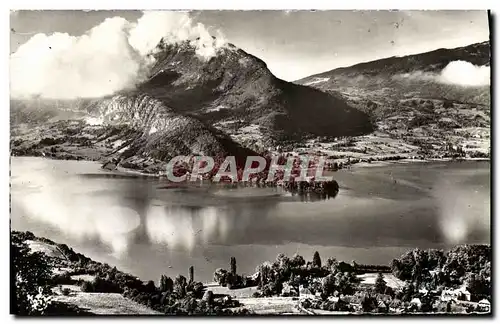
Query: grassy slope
[95, 303]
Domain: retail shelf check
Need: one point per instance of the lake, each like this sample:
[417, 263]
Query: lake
[144, 228]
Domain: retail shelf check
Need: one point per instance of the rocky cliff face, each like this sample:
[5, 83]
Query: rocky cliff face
[161, 132]
[234, 86]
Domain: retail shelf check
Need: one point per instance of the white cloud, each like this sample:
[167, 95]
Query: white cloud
[465, 74]
[108, 58]
[460, 73]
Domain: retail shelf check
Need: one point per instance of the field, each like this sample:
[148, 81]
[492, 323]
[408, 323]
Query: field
[272, 305]
[49, 250]
[391, 281]
[95, 303]
[103, 303]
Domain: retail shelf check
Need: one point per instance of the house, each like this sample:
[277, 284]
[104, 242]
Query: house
[382, 307]
[255, 276]
[288, 290]
[484, 305]
[333, 299]
[456, 294]
[423, 291]
[449, 294]
[305, 293]
[465, 294]
[416, 302]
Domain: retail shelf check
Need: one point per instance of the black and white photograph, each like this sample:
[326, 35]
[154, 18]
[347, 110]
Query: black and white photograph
[250, 163]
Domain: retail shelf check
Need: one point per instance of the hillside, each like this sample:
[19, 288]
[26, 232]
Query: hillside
[189, 105]
[229, 103]
[138, 130]
[407, 76]
[439, 279]
[234, 89]
[438, 102]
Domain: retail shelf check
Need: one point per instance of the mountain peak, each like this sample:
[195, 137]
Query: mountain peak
[233, 86]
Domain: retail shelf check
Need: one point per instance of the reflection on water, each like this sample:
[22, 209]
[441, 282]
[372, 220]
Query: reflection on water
[378, 212]
[119, 210]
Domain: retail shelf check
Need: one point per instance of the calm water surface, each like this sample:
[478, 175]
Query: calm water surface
[146, 229]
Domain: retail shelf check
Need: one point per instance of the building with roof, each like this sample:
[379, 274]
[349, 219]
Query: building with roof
[456, 294]
[305, 293]
[484, 305]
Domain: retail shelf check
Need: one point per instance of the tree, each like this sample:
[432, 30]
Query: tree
[220, 276]
[233, 265]
[368, 303]
[316, 262]
[447, 103]
[435, 259]
[166, 284]
[426, 304]
[380, 284]
[332, 265]
[297, 261]
[344, 283]
[478, 286]
[408, 292]
[344, 267]
[191, 274]
[283, 261]
[180, 285]
[264, 274]
[328, 284]
[150, 286]
[31, 274]
[208, 297]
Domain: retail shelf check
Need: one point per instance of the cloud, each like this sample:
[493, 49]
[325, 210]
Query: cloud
[460, 73]
[465, 74]
[110, 57]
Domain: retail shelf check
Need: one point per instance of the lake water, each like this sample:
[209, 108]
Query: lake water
[146, 229]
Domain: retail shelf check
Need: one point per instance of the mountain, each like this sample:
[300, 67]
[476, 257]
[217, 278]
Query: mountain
[236, 87]
[189, 104]
[434, 104]
[412, 76]
[161, 132]
[138, 130]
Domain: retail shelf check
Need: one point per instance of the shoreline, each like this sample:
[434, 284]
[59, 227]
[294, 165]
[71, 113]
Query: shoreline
[375, 163]
[411, 161]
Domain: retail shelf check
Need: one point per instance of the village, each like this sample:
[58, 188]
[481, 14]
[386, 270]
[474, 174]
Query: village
[295, 287]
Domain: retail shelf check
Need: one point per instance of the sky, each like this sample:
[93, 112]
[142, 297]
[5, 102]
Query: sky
[295, 44]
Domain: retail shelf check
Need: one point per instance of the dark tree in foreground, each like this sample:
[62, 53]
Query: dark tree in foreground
[220, 276]
[316, 262]
[31, 274]
[408, 292]
[478, 286]
[180, 285]
[233, 265]
[380, 284]
[150, 286]
[191, 274]
[166, 284]
[297, 261]
[368, 303]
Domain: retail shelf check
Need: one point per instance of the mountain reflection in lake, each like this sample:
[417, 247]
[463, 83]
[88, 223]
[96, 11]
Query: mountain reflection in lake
[135, 224]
